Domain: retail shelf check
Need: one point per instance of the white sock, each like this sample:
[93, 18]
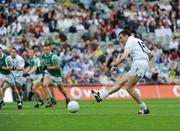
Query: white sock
[103, 94]
[143, 106]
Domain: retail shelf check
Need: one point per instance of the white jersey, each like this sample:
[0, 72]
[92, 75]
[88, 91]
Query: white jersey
[18, 62]
[137, 49]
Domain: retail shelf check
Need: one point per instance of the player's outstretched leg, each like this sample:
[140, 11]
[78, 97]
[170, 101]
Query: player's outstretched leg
[99, 96]
[96, 95]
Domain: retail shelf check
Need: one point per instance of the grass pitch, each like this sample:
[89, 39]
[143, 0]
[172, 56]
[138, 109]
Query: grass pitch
[117, 115]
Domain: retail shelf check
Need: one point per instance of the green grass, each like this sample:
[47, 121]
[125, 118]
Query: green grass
[117, 115]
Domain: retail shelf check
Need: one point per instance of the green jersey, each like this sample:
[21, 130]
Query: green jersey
[5, 61]
[36, 62]
[52, 60]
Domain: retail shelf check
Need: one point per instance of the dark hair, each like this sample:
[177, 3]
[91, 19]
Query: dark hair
[13, 49]
[125, 32]
[47, 45]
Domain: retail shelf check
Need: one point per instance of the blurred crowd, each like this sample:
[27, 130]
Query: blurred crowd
[83, 33]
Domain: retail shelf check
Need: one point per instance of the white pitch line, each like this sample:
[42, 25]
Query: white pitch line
[91, 114]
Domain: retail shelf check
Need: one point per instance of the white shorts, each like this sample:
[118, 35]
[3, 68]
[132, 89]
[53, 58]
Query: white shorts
[19, 79]
[56, 80]
[139, 67]
[8, 78]
[37, 78]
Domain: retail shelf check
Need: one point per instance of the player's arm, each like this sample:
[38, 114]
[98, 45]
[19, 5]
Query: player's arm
[18, 69]
[121, 60]
[53, 67]
[148, 52]
[150, 55]
[34, 67]
[9, 64]
[55, 63]
[32, 70]
[9, 68]
[27, 69]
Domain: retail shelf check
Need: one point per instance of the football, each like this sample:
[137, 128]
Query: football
[73, 106]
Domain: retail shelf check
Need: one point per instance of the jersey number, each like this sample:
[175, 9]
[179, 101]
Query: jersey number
[142, 45]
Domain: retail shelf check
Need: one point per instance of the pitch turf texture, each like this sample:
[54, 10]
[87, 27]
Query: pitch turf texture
[117, 115]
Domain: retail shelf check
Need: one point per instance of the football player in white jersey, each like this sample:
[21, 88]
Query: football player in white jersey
[141, 55]
[7, 79]
[18, 68]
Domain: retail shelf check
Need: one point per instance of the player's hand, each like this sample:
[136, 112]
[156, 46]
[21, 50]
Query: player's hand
[25, 74]
[113, 68]
[0, 67]
[13, 68]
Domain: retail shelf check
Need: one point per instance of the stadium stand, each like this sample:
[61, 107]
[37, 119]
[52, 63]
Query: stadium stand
[84, 33]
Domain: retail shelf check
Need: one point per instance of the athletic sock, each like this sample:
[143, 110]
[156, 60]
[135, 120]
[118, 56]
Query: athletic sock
[22, 97]
[103, 94]
[19, 99]
[143, 106]
[51, 99]
[41, 101]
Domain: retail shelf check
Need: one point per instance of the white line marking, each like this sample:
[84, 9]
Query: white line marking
[91, 114]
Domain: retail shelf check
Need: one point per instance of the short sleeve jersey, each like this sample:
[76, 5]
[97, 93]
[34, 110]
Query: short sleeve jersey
[18, 62]
[36, 62]
[5, 61]
[136, 48]
[52, 60]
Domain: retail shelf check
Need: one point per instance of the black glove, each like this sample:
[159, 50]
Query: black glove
[13, 68]
[0, 67]
[25, 74]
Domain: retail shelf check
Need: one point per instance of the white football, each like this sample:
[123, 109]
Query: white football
[73, 106]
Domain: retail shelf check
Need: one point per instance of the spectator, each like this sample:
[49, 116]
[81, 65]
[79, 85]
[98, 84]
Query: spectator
[84, 34]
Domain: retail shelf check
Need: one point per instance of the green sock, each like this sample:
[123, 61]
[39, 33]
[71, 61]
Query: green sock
[50, 99]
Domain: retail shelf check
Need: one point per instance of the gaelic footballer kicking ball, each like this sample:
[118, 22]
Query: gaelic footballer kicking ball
[73, 106]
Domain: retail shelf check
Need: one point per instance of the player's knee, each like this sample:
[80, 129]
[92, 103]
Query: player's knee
[45, 85]
[3, 89]
[121, 83]
[34, 88]
[129, 90]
